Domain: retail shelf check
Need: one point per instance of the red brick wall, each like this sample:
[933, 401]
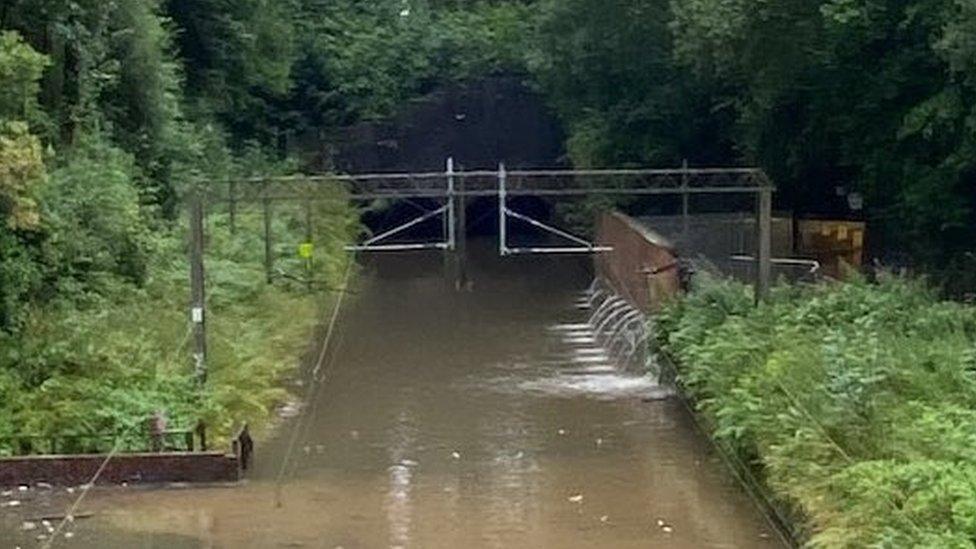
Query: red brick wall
[130, 468]
[637, 253]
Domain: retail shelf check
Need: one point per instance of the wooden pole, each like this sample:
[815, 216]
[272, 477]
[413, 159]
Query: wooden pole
[232, 205]
[308, 240]
[198, 290]
[268, 248]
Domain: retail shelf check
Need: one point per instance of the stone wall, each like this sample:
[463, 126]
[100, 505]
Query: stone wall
[129, 468]
[642, 267]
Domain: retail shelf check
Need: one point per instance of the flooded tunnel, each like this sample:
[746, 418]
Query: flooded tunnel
[459, 419]
[488, 417]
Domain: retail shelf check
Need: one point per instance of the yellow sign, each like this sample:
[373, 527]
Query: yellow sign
[305, 250]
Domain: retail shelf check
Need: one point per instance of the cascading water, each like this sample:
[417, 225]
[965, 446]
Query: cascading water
[606, 355]
[614, 326]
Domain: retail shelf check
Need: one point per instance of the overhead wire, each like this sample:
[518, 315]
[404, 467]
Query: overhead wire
[315, 379]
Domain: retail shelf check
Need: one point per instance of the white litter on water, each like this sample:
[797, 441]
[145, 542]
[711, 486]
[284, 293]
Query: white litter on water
[456, 455]
[578, 498]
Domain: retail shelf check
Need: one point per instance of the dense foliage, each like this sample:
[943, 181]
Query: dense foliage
[870, 96]
[854, 402]
[111, 111]
[96, 147]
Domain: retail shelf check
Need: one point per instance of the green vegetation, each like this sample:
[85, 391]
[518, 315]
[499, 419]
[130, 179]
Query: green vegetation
[110, 112]
[95, 150]
[875, 96]
[854, 403]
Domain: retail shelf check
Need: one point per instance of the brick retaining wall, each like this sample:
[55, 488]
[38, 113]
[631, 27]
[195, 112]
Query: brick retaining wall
[642, 266]
[130, 468]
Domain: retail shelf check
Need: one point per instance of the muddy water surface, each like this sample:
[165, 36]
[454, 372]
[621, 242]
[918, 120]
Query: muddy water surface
[455, 420]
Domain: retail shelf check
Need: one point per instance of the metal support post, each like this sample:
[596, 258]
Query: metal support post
[502, 210]
[460, 234]
[764, 237]
[685, 206]
[197, 290]
[451, 228]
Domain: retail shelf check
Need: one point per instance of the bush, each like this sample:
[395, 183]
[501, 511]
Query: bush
[855, 402]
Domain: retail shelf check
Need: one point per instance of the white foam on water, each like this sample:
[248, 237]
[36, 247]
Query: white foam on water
[588, 351]
[597, 385]
[584, 340]
[570, 327]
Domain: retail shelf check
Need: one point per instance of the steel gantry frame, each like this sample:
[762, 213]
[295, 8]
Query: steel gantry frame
[454, 188]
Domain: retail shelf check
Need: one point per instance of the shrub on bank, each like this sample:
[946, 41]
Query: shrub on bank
[855, 403]
[106, 361]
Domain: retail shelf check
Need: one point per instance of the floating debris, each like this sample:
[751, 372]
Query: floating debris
[44, 486]
[561, 431]
[27, 526]
[665, 527]
[578, 498]
[69, 535]
[23, 488]
[11, 503]
[599, 442]
[408, 463]
[604, 518]
[456, 455]
[354, 434]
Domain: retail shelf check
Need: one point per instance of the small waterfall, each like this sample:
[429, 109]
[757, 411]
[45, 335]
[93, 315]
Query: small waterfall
[604, 354]
[617, 326]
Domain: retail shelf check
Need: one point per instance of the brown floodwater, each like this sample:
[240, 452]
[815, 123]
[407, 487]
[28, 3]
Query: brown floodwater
[453, 419]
